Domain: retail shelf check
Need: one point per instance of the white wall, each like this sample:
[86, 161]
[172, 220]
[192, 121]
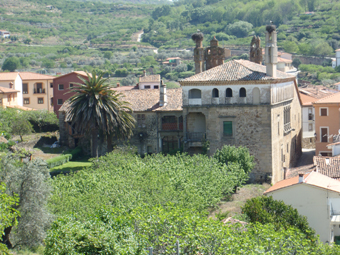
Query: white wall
[151, 84]
[18, 86]
[282, 91]
[305, 122]
[311, 202]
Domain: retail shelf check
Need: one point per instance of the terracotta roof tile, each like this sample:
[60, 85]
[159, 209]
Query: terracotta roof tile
[4, 90]
[334, 98]
[8, 76]
[81, 73]
[235, 70]
[295, 171]
[307, 100]
[35, 76]
[283, 60]
[317, 91]
[121, 88]
[313, 178]
[150, 78]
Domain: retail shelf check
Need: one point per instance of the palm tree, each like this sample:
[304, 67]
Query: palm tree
[97, 109]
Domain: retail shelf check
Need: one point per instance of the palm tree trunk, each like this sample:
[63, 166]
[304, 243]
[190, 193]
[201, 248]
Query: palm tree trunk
[94, 149]
[109, 142]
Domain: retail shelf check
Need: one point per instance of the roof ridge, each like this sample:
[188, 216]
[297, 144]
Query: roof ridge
[327, 97]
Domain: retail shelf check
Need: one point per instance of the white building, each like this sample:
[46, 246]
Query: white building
[149, 81]
[315, 196]
[12, 80]
[4, 34]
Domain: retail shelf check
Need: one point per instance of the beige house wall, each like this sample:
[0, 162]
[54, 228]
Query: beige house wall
[8, 99]
[311, 202]
[33, 97]
[331, 121]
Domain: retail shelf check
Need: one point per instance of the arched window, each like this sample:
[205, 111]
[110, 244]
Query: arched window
[229, 92]
[215, 93]
[256, 96]
[243, 92]
[194, 93]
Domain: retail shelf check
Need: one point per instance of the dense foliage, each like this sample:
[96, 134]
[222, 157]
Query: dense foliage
[134, 231]
[31, 182]
[266, 210]
[128, 181]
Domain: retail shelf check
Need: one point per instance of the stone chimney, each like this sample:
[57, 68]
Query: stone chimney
[144, 73]
[255, 54]
[300, 178]
[162, 94]
[271, 50]
[198, 52]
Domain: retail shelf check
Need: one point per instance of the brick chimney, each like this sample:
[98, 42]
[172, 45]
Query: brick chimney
[271, 50]
[162, 94]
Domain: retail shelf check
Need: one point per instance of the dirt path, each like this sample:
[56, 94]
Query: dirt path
[238, 199]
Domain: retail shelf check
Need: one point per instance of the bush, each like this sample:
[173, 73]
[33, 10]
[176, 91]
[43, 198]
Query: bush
[59, 160]
[76, 153]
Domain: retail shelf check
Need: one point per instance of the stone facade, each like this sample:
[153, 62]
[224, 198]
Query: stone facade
[308, 143]
[213, 55]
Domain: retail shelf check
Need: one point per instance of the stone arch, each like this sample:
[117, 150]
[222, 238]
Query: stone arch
[256, 96]
[195, 93]
[229, 92]
[215, 93]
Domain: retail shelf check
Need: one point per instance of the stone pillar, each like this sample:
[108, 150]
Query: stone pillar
[198, 52]
[271, 50]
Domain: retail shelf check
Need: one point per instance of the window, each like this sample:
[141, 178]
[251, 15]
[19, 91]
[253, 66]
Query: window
[61, 87]
[9, 99]
[323, 111]
[24, 88]
[141, 120]
[324, 135]
[71, 85]
[194, 93]
[52, 101]
[26, 101]
[229, 92]
[60, 102]
[169, 123]
[51, 85]
[0, 100]
[243, 92]
[278, 127]
[310, 127]
[169, 144]
[227, 128]
[40, 100]
[38, 88]
[286, 118]
[215, 93]
[156, 87]
[147, 87]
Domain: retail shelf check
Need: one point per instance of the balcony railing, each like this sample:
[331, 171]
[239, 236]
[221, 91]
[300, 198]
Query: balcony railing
[287, 127]
[196, 136]
[39, 91]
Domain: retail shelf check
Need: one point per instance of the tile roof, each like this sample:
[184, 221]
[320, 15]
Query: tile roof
[150, 78]
[283, 60]
[295, 171]
[313, 179]
[307, 100]
[329, 166]
[318, 91]
[8, 76]
[4, 90]
[121, 88]
[148, 99]
[35, 76]
[235, 71]
[334, 98]
[81, 73]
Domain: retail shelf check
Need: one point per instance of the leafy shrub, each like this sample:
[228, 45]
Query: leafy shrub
[76, 153]
[59, 160]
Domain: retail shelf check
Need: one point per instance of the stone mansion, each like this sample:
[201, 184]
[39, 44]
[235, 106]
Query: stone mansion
[237, 103]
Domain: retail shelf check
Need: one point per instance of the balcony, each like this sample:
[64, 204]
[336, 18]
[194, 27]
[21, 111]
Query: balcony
[196, 136]
[39, 91]
[287, 128]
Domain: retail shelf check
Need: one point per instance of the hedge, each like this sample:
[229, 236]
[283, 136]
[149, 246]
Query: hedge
[60, 160]
[76, 152]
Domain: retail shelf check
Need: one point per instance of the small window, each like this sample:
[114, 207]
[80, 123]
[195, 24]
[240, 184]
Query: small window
[141, 120]
[40, 100]
[147, 87]
[194, 94]
[324, 135]
[26, 101]
[9, 99]
[228, 128]
[60, 101]
[52, 101]
[323, 111]
[215, 93]
[310, 127]
[61, 87]
[243, 92]
[51, 85]
[229, 92]
[71, 85]
[24, 88]
[156, 87]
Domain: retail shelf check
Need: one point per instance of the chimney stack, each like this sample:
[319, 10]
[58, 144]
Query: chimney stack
[144, 73]
[162, 94]
[271, 50]
[300, 178]
[198, 52]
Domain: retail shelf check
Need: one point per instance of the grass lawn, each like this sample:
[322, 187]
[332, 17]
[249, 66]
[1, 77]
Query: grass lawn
[70, 166]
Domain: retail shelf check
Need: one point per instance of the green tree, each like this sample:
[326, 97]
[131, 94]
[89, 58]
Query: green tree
[47, 63]
[96, 108]
[21, 126]
[108, 54]
[43, 119]
[11, 64]
[240, 28]
[296, 62]
[266, 210]
[290, 47]
[31, 181]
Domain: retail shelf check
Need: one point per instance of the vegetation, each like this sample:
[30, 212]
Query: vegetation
[71, 166]
[97, 109]
[31, 182]
[21, 126]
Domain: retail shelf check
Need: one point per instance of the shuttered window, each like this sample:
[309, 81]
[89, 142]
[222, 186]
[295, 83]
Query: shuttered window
[228, 128]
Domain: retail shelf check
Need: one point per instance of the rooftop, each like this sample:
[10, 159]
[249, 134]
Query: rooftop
[314, 179]
[81, 73]
[307, 100]
[8, 76]
[150, 78]
[4, 90]
[331, 99]
[35, 76]
[316, 91]
[236, 71]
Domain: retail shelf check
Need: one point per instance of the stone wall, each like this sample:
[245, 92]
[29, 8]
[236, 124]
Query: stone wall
[308, 143]
[62, 130]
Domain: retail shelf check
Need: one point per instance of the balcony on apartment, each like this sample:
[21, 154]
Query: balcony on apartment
[195, 139]
[38, 89]
[172, 123]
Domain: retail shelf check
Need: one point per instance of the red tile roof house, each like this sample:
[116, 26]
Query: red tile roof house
[61, 87]
[315, 196]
